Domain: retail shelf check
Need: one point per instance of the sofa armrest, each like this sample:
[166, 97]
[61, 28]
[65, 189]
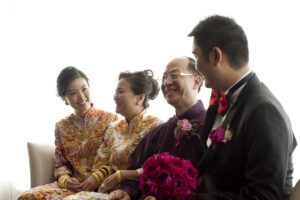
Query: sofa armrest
[41, 160]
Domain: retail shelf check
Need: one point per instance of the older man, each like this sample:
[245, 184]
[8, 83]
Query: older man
[253, 157]
[181, 83]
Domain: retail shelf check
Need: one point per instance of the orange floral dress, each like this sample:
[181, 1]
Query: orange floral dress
[77, 141]
[120, 141]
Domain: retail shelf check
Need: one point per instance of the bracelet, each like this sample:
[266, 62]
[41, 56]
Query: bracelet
[101, 176]
[62, 180]
[97, 178]
[108, 169]
[118, 175]
[139, 171]
[104, 172]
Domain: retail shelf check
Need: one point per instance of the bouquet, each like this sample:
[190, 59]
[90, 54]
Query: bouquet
[168, 177]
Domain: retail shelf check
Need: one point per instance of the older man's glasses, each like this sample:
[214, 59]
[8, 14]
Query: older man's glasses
[174, 75]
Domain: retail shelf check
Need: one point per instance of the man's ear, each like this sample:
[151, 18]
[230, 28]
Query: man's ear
[216, 55]
[198, 81]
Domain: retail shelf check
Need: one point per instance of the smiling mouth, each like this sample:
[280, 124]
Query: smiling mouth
[84, 103]
[170, 91]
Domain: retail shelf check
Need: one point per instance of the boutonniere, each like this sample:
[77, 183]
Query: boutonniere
[185, 130]
[223, 134]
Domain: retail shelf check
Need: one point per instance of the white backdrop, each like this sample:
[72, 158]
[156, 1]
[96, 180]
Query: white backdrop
[102, 38]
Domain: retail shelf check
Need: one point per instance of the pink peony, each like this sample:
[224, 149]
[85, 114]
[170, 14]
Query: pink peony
[186, 125]
[184, 130]
[164, 178]
[192, 172]
[178, 185]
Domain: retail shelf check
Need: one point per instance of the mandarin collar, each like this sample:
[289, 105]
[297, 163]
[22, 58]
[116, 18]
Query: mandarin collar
[87, 115]
[138, 117]
[192, 112]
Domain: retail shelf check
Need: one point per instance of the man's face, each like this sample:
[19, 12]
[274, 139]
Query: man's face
[177, 89]
[204, 66]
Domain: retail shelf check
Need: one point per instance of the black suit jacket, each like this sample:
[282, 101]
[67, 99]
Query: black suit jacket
[257, 162]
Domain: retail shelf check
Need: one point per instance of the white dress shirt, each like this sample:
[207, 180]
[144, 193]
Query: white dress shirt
[219, 118]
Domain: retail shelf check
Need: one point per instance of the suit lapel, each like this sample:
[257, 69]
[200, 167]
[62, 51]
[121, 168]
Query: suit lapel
[209, 121]
[241, 98]
[209, 152]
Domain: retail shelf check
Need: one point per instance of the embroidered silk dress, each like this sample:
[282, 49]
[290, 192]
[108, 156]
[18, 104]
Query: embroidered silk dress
[120, 141]
[77, 141]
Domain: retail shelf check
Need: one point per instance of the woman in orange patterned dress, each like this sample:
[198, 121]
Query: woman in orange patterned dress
[131, 97]
[77, 139]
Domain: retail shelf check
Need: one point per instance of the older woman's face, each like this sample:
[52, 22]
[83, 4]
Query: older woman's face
[126, 101]
[78, 96]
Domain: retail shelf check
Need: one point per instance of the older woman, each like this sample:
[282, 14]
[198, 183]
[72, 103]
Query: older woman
[77, 139]
[131, 97]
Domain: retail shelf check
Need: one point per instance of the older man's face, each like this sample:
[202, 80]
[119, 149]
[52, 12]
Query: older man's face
[179, 89]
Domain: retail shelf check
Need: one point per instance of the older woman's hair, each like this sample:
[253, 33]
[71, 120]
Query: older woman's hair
[142, 82]
[65, 77]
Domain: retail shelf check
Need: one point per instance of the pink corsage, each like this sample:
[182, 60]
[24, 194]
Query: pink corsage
[185, 130]
[222, 134]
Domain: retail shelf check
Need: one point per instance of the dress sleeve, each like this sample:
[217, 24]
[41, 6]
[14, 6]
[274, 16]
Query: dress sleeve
[61, 165]
[147, 126]
[102, 156]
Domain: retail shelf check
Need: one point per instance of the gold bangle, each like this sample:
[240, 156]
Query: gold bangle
[97, 178]
[108, 168]
[118, 175]
[101, 176]
[62, 180]
[104, 172]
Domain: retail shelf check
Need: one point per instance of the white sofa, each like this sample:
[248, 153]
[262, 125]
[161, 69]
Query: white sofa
[41, 159]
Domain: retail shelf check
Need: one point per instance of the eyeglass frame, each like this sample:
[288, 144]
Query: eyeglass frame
[165, 78]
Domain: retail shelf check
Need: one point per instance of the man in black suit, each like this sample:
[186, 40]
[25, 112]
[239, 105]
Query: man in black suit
[247, 135]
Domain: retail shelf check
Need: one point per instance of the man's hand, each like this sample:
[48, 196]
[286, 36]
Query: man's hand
[109, 184]
[73, 184]
[89, 184]
[119, 195]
